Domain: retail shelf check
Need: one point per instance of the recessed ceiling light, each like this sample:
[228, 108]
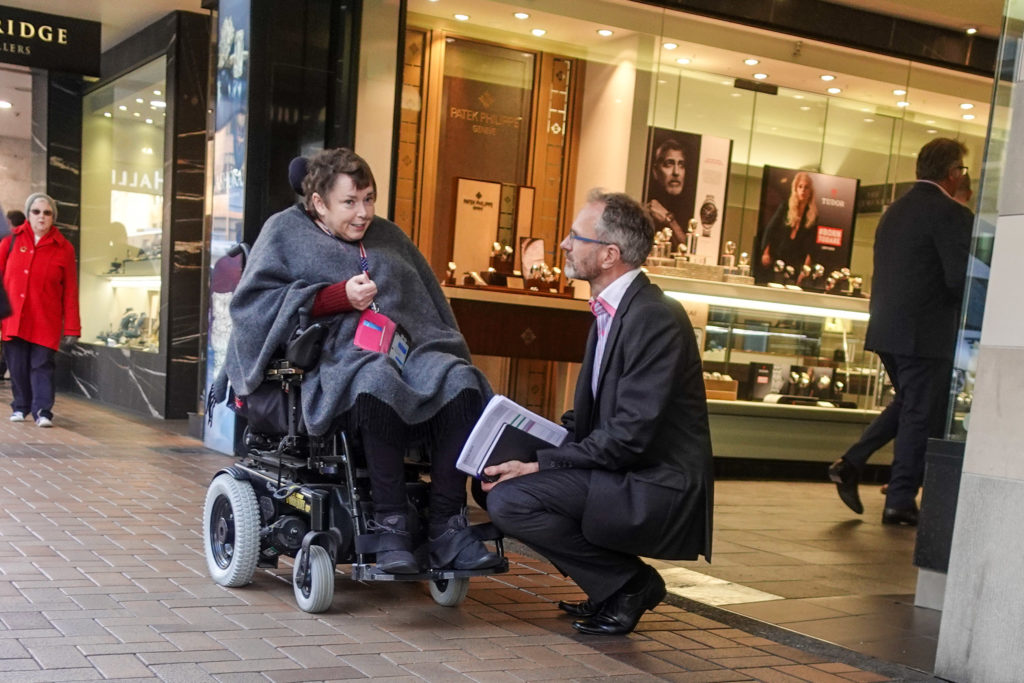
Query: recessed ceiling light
[159, 104]
[461, 17]
[734, 94]
[930, 122]
[670, 46]
[4, 104]
[798, 97]
[517, 15]
[136, 114]
[604, 32]
[147, 150]
[898, 92]
[122, 108]
[968, 117]
[804, 107]
[903, 103]
[868, 119]
[149, 120]
[760, 76]
[139, 100]
[157, 93]
[107, 114]
[966, 105]
[931, 131]
[751, 62]
[538, 32]
[827, 77]
[683, 60]
[971, 31]
[834, 91]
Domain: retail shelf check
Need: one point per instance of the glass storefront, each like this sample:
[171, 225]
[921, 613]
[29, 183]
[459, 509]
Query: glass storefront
[617, 85]
[122, 209]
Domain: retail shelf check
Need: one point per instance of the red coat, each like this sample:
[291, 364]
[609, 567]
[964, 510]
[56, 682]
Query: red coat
[42, 284]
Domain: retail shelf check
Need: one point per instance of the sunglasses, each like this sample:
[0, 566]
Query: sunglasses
[45, 212]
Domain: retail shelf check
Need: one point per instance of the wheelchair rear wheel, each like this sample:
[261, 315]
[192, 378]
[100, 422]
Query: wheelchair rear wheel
[314, 592]
[449, 592]
[231, 526]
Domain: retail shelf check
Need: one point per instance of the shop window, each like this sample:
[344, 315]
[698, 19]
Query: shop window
[122, 210]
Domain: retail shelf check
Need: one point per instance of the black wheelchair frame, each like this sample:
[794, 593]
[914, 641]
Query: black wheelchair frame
[308, 497]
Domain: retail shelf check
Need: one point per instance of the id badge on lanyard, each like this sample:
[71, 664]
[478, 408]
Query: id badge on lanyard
[376, 331]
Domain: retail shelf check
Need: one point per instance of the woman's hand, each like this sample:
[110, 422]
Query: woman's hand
[508, 470]
[360, 291]
[766, 257]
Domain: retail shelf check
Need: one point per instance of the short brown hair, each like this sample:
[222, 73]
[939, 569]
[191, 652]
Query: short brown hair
[937, 157]
[326, 166]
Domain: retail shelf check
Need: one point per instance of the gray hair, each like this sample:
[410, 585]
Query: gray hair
[626, 223]
[41, 195]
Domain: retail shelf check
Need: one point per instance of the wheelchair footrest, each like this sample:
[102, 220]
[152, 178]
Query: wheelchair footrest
[369, 572]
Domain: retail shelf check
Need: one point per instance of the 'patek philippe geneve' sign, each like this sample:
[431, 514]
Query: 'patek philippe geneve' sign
[48, 41]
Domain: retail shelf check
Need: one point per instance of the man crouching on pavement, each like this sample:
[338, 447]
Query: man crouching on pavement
[635, 477]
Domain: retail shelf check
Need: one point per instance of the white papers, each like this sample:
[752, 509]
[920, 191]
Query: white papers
[500, 411]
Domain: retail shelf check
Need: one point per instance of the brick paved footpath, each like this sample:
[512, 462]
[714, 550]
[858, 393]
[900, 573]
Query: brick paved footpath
[102, 577]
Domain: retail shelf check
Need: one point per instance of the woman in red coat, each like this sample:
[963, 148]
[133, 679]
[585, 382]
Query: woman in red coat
[37, 265]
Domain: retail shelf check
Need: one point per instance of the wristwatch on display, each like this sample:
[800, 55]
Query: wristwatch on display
[708, 215]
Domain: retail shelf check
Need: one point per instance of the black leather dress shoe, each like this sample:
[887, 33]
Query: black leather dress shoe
[620, 613]
[583, 608]
[846, 478]
[900, 516]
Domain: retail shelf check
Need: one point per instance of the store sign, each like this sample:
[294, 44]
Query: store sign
[49, 41]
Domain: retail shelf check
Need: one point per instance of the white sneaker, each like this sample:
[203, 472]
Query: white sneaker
[43, 421]
[17, 416]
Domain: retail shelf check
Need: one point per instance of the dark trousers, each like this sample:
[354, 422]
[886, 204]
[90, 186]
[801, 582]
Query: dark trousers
[31, 367]
[545, 510]
[916, 413]
[385, 461]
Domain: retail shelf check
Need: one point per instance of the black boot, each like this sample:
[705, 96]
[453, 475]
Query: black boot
[394, 553]
[453, 546]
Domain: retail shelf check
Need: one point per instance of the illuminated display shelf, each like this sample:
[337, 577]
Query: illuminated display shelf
[767, 299]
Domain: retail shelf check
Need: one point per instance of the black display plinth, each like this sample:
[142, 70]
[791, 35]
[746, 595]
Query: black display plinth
[944, 461]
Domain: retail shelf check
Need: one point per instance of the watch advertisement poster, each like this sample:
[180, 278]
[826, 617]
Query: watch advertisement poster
[684, 189]
[805, 219]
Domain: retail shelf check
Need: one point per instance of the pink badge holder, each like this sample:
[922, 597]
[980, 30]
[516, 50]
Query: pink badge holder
[377, 332]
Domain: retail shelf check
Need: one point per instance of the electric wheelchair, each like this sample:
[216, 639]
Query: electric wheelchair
[308, 497]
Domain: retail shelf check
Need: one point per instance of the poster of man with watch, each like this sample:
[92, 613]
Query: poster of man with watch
[684, 188]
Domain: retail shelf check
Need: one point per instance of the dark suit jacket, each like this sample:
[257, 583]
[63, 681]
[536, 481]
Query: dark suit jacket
[646, 435]
[921, 249]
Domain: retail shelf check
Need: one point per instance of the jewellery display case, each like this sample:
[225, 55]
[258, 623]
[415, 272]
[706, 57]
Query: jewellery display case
[805, 387]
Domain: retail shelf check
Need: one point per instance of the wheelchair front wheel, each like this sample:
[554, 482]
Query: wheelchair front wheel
[231, 529]
[314, 592]
[449, 592]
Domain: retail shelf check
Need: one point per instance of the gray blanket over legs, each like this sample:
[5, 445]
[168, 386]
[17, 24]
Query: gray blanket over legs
[290, 262]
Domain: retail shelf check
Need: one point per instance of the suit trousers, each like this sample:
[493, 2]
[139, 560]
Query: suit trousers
[545, 510]
[916, 413]
[31, 367]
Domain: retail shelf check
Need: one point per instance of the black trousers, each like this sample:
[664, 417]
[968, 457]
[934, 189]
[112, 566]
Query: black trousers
[916, 413]
[385, 461]
[545, 511]
[31, 367]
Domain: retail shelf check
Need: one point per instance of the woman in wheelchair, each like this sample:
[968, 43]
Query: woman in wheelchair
[394, 367]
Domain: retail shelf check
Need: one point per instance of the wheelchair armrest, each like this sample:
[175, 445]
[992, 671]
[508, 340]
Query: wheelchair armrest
[303, 350]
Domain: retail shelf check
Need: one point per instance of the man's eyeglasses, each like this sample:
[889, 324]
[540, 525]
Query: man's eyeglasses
[45, 212]
[962, 169]
[573, 237]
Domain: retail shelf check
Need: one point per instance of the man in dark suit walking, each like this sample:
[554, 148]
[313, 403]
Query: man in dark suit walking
[921, 249]
[635, 476]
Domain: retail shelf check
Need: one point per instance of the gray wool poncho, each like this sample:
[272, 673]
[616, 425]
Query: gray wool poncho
[290, 262]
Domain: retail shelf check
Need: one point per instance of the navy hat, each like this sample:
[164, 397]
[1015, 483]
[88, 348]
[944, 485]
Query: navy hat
[297, 172]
